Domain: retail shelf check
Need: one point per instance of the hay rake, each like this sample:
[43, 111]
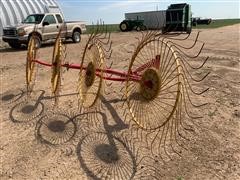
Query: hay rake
[159, 95]
[158, 82]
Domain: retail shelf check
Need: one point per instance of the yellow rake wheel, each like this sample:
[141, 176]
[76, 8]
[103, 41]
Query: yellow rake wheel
[91, 73]
[154, 99]
[56, 68]
[30, 64]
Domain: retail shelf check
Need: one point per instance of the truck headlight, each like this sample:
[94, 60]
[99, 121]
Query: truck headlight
[21, 32]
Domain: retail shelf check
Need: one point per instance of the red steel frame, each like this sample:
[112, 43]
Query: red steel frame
[123, 76]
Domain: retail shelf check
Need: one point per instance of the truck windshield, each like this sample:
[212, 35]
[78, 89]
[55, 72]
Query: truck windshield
[34, 19]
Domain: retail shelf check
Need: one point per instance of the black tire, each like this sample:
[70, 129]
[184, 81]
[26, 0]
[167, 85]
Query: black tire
[124, 27]
[138, 28]
[164, 30]
[209, 21]
[143, 28]
[14, 45]
[76, 37]
[189, 30]
[37, 40]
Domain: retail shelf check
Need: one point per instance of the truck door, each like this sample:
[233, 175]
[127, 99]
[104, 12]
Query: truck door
[50, 27]
[62, 25]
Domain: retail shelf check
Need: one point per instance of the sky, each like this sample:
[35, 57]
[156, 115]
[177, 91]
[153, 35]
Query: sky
[112, 11]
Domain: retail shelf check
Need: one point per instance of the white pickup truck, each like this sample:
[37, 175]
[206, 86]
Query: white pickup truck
[46, 27]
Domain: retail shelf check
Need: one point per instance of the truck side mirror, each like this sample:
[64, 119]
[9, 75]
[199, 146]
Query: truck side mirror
[45, 23]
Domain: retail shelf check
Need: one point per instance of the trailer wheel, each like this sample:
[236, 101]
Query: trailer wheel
[124, 26]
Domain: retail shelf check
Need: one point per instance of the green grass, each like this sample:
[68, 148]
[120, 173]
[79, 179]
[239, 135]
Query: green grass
[214, 24]
[180, 178]
[108, 27]
[219, 23]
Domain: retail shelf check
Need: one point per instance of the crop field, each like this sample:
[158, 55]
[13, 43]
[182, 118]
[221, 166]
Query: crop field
[109, 28]
[214, 24]
[219, 23]
[41, 141]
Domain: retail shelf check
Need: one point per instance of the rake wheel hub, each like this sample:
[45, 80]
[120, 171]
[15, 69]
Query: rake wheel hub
[90, 74]
[150, 84]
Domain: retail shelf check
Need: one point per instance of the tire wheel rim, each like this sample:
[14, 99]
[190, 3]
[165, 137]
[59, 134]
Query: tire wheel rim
[76, 37]
[124, 27]
[37, 44]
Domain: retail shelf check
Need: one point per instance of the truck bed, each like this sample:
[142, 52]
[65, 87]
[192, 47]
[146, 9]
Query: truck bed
[74, 21]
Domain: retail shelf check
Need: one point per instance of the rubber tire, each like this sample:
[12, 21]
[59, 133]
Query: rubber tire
[143, 28]
[164, 30]
[76, 37]
[38, 39]
[14, 45]
[39, 42]
[122, 29]
[138, 28]
[189, 30]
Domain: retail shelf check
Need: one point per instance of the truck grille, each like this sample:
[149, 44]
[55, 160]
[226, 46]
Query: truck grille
[9, 32]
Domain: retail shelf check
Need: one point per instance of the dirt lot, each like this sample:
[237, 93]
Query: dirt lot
[213, 151]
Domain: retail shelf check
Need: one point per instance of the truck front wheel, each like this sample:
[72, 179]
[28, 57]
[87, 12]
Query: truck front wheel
[76, 37]
[14, 45]
[38, 42]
